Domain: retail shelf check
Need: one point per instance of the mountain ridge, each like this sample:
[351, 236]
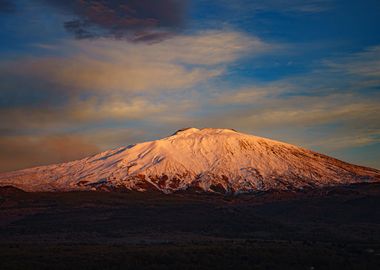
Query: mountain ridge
[211, 160]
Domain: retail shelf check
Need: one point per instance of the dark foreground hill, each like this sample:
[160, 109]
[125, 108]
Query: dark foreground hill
[331, 228]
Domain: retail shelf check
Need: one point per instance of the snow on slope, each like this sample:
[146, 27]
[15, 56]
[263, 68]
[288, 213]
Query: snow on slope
[217, 160]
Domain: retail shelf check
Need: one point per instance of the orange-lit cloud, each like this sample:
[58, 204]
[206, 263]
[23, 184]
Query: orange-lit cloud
[103, 65]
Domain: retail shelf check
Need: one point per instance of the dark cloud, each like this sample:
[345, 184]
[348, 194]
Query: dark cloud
[136, 19]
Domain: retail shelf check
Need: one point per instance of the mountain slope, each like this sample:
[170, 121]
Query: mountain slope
[218, 160]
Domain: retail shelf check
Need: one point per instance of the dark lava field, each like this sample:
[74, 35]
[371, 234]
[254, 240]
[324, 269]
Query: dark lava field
[331, 228]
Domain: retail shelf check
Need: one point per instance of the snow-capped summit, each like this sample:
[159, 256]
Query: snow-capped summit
[215, 160]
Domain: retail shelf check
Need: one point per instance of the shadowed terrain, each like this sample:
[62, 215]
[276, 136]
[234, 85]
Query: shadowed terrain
[330, 228]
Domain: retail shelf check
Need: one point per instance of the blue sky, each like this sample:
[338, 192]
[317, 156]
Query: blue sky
[78, 77]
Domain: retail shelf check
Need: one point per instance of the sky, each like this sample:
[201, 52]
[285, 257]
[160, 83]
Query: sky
[81, 76]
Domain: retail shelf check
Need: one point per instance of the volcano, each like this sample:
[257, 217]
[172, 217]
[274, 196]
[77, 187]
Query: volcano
[209, 160]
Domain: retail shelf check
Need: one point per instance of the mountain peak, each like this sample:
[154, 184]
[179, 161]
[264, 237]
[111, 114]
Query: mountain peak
[187, 130]
[207, 159]
[203, 131]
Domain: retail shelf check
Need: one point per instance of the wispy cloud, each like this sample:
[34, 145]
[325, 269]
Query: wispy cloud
[338, 99]
[366, 63]
[292, 6]
[306, 111]
[104, 65]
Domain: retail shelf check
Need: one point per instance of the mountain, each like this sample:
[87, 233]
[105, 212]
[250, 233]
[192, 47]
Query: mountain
[215, 160]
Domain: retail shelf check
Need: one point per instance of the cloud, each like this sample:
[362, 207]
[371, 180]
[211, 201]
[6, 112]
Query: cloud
[307, 111]
[349, 139]
[133, 19]
[78, 112]
[104, 65]
[311, 6]
[333, 107]
[203, 48]
[89, 74]
[252, 94]
[365, 63]
[279, 6]
[96, 110]
[280, 105]
[114, 80]
[102, 92]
